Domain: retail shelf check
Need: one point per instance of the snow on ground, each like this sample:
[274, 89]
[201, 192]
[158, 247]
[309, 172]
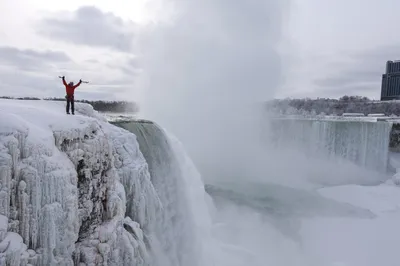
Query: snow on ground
[352, 241]
[61, 199]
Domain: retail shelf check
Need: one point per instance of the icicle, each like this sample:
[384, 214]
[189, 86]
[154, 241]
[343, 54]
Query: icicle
[5, 181]
[23, 212]
[3, 227]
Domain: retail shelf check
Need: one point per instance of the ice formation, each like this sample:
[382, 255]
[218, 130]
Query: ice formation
[76, 190]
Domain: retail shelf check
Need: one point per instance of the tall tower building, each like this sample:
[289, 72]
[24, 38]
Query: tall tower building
[391, 81]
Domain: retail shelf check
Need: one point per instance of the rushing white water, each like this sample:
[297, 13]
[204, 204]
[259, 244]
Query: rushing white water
[363, 143]
[182, 219]
[191, 229]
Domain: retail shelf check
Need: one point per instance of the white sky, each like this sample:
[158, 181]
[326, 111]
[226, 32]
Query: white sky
[334, 39]
[17, 16]
[330, 48]
[18, 20]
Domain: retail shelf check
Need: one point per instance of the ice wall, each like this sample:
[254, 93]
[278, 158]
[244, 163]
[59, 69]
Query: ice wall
[74, 190]
[364, 143]
[175, 239]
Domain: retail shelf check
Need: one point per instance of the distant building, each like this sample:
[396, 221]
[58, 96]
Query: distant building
[391, 81]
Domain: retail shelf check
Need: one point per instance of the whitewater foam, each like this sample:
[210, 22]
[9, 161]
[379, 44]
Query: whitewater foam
[183, 222]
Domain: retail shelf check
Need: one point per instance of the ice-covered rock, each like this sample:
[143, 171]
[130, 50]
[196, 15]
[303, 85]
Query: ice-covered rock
[74, 190]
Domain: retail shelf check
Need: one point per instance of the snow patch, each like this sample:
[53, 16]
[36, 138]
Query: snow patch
[353, 241]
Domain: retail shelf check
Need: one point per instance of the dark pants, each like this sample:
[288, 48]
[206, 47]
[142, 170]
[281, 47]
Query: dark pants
[70, 101]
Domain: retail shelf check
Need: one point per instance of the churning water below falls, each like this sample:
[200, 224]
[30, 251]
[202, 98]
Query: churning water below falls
[297, 209]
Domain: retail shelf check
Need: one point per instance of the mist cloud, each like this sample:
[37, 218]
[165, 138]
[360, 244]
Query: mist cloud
[205, 71]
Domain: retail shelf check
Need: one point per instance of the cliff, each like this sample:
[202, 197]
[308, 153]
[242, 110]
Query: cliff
[75, 190]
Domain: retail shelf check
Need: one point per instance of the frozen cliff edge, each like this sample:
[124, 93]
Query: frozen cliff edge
[64, 184]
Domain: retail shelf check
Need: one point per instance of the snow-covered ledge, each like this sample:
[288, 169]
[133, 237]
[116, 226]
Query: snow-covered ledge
[64, 184]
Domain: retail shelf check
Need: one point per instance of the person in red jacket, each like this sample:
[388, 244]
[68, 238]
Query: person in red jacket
[70, 89]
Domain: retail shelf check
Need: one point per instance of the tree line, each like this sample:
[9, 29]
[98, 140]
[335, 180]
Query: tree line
[327, 106]
[101, 106]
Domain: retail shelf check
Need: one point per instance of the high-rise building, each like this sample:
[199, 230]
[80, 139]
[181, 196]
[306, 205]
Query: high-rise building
[391, 81]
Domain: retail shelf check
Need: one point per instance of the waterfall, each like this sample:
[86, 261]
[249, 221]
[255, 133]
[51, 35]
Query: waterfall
[177, 241]
[364, 143]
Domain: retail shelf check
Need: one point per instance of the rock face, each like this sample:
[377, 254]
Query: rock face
[64, 185]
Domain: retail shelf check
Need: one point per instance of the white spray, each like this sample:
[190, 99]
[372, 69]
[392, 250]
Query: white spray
[207, 75]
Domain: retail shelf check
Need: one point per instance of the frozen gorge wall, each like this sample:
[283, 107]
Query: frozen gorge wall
[78, 191]
[361, 142]
[61, 200]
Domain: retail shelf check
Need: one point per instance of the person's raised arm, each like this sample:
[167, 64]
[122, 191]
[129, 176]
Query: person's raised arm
[63, 80]
[77, 85]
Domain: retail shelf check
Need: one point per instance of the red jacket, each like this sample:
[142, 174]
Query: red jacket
[71, 89]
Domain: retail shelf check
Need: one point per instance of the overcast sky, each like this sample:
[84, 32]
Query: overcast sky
[326, 48]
